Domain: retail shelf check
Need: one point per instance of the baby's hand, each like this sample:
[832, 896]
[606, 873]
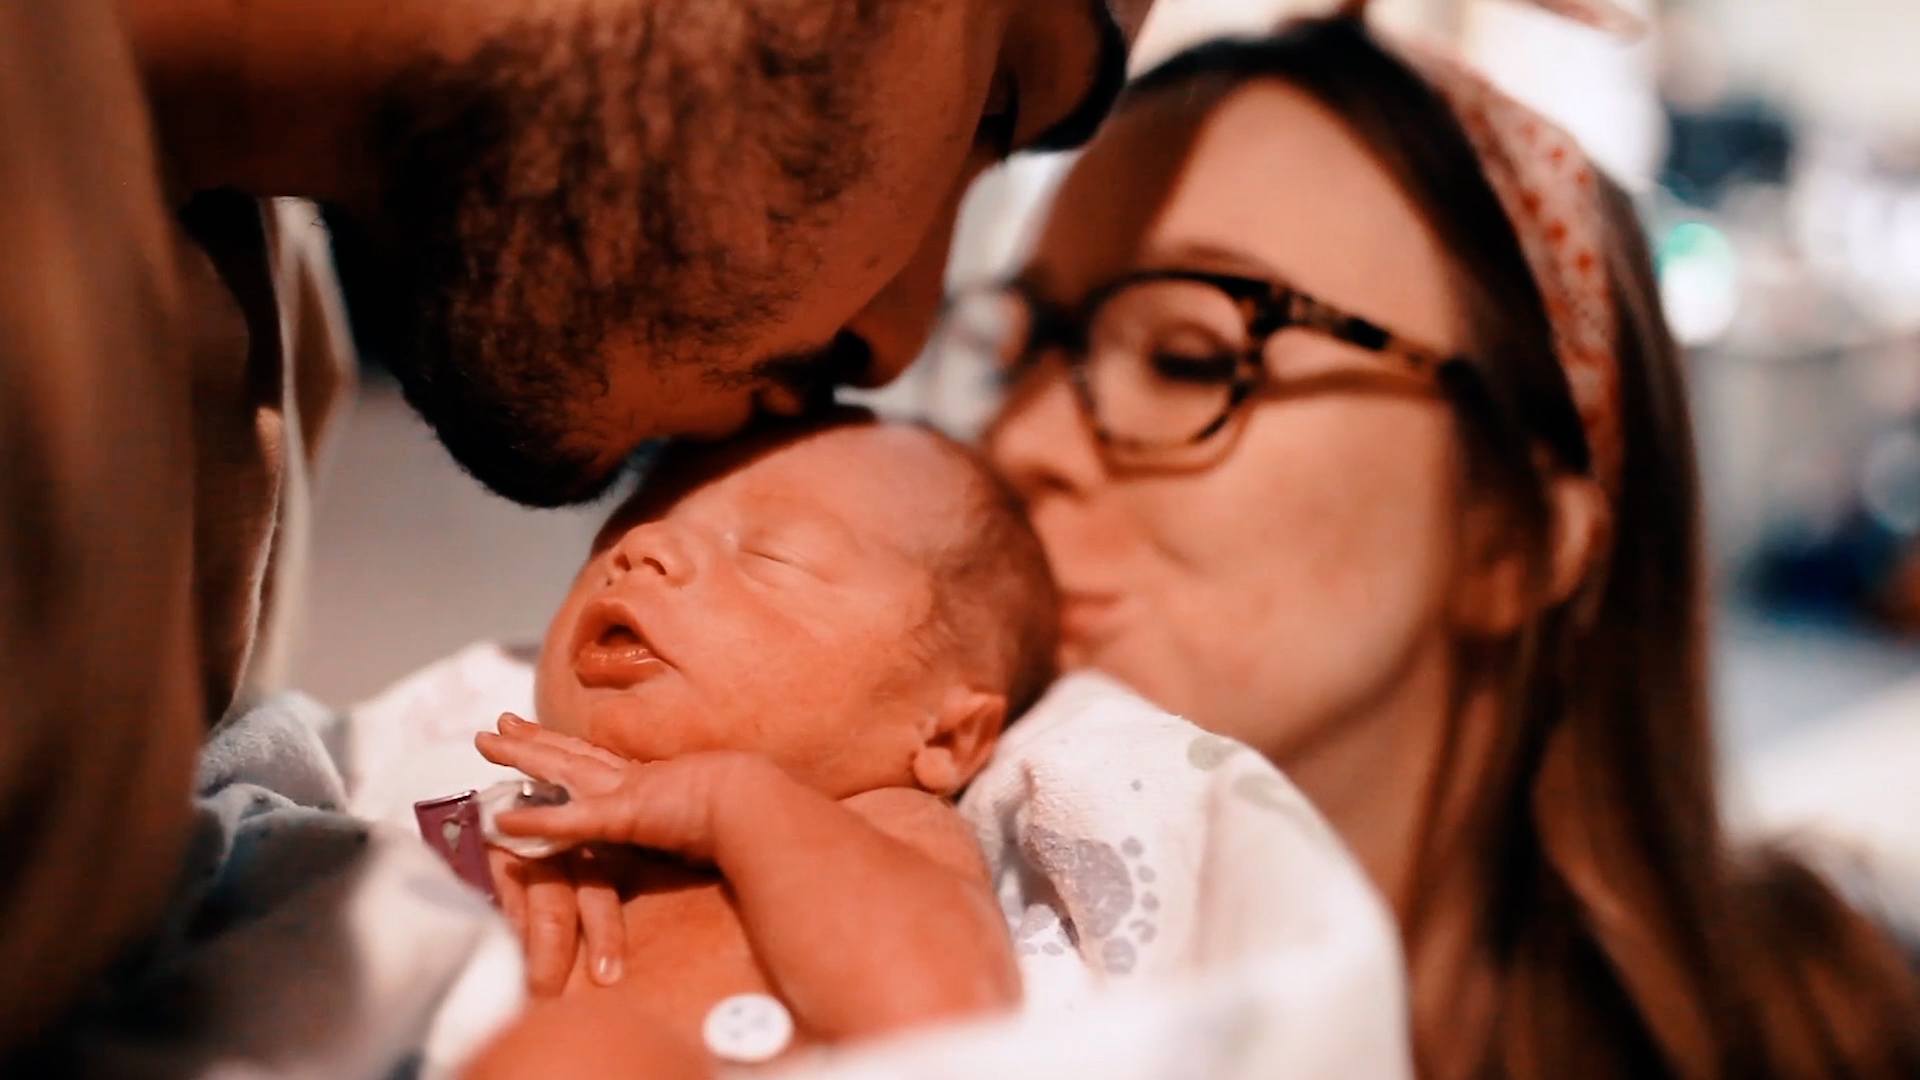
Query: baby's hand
[663, 805]
[555, 903]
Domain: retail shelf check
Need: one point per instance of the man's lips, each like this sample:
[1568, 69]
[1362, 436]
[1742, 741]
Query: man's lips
[609, 650]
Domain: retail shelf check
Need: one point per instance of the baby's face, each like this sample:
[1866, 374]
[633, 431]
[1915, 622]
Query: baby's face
[766, 598]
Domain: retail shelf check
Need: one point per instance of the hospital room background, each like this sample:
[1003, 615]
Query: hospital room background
[1774, 149]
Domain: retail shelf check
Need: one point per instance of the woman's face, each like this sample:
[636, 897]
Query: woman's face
[1300, 577]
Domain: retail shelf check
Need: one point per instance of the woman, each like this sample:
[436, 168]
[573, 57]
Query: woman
[1444, 573]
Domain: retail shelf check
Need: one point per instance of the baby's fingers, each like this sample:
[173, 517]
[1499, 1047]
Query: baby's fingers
[579, 821]
[553, 928]
[510, 886]
[543, 761]
[635, 814]
[513, 727]
[600, 919]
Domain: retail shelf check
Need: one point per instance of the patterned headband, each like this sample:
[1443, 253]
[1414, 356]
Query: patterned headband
[1551, 194]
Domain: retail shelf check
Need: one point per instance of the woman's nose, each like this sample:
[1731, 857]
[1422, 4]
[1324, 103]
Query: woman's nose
[1041, 442]
[654, 549]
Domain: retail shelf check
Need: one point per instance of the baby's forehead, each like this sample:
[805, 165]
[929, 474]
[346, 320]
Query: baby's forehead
[891, 483]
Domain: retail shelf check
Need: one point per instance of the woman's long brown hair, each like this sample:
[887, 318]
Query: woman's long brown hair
[1620, 934]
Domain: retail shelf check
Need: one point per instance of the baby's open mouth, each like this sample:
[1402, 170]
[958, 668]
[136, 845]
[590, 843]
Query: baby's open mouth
[609, 650]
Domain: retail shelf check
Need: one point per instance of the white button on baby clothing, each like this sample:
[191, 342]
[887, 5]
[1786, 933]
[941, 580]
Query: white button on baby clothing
[748, 1029]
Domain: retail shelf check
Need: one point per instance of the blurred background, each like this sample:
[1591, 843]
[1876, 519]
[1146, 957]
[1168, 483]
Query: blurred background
[1775, 149]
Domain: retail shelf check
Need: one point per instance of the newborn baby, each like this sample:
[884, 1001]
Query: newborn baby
[781, 660]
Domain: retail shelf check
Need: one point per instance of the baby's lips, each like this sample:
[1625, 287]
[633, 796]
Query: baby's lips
[616, 667]
[610, 651]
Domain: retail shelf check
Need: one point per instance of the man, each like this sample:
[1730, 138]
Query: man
[569, 226]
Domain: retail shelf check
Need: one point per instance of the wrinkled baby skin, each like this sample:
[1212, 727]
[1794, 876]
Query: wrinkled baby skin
[772, 597]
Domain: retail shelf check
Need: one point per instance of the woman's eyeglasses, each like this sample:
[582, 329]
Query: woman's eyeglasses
[1160, 360]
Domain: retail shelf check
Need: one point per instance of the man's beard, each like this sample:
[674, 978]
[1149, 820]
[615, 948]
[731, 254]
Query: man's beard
[571, 188]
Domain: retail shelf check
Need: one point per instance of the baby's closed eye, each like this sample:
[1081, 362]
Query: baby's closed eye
[779, 558]
[793, 546]
[775, 564]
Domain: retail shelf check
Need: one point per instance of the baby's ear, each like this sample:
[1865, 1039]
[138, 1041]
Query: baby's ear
[960, 735]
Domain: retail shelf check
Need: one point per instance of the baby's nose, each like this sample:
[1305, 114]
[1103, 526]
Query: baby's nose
[653, 549]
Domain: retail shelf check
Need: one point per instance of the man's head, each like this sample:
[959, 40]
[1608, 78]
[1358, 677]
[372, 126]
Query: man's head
[863, 603]
[573, 225]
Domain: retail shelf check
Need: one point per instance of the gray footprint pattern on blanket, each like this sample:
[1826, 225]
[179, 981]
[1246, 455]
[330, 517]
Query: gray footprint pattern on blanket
[1263, 789]
[1105, 887]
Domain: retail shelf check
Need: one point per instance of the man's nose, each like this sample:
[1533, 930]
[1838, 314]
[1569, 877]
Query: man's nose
[897, 323]
[656, 550]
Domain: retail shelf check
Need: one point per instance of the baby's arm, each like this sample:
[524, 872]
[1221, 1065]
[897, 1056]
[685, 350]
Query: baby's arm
[867, 915]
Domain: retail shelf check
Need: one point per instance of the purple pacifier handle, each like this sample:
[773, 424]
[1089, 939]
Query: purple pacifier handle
[451, 827]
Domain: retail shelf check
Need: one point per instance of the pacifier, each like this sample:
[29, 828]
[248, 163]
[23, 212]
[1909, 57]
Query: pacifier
[497, 799]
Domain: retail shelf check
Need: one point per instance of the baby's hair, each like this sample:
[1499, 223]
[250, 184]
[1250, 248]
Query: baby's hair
[995, 605]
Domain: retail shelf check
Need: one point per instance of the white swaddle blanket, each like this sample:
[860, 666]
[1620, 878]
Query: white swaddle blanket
[1179, 911]
[1178, 908]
